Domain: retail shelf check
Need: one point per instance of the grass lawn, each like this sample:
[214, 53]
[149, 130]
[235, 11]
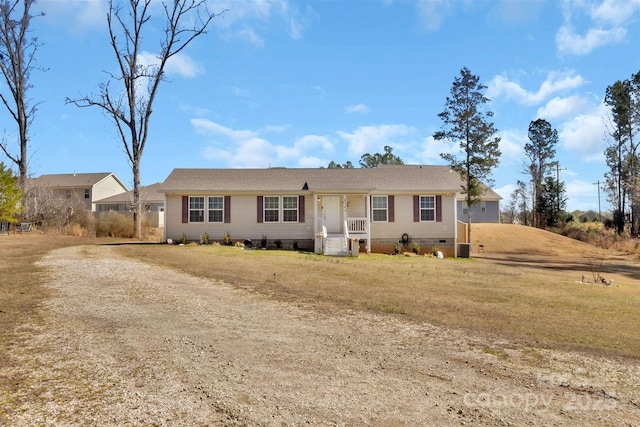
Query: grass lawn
[530, 303]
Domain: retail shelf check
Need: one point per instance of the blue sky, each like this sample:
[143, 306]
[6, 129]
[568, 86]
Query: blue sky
[298, 84]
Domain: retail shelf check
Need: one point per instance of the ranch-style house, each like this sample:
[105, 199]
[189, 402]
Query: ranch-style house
[330, 211]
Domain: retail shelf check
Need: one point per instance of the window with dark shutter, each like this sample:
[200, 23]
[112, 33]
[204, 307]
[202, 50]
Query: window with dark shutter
[301, 208]
[185, 209]
[227, 209]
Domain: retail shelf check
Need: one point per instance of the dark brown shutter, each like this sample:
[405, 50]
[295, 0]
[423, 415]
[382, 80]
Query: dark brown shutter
[391, 206]
[416, 208]
[300, 208]
[227, 209]
[438, 208]
[260, 201]
[185, 209]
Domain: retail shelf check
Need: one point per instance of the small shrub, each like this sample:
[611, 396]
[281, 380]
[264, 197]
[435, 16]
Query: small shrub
[416, 248]
[263, 241]
[227, 238]
[205, 238]
[397, 248]
[295, 245]
[239, 244]
[434, 251]
[183, 239]
[278, 243]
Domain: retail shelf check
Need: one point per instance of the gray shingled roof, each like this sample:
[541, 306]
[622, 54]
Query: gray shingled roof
[387, 178]
[148, 194]
[73, 180]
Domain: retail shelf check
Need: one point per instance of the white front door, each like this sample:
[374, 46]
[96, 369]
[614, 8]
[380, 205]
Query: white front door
[331, 213]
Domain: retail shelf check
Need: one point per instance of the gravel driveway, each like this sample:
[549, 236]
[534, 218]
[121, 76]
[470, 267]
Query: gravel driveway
[126, 343]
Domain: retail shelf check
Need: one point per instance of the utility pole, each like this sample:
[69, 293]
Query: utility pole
[558, 169]
[599, 213]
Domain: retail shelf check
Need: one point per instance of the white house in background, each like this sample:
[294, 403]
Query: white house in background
[324, 210]
[87, 187]
[486, 210]
[152, 204]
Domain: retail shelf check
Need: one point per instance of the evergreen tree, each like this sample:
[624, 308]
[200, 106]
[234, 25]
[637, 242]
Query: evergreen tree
[10, 195]
[540, 151]
[465, 122]
[373, 160]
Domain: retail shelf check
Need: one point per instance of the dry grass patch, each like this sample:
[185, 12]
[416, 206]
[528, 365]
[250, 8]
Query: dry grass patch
[527, 302]
[21, 295]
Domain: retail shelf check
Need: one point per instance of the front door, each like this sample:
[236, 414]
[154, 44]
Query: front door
[331, 213]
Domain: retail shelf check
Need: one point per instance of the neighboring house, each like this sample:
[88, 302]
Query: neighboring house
[377, 207]
[486, 210]
[87, 187]
[152, 204]
[588, 216]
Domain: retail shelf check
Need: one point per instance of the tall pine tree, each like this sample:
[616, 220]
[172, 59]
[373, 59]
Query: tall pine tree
[466, 122]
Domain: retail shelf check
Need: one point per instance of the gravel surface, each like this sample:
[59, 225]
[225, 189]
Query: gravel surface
[126, 343]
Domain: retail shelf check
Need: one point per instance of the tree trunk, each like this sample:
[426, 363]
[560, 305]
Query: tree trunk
[137, 206]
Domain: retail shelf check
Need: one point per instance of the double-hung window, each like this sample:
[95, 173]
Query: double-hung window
[216, 209]
[196, 209]
[289, 208]
[280, 209]
[427, 208]
[379, 208]
[271, 209]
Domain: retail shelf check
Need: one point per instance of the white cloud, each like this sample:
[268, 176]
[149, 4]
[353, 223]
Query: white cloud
[180, 64]
[562, 107]
[76, 16]
[358, 108]
[374, 138]
[247, 148]
[511, 144]
[607, 21]
[584, 134]
[241, 93]
[570, 43]
[432, 149]
[615, 12]
[583, 196]
[505, 192]
[249, 35]
[431, 13]
[210, 127]
[502, 86]
[183, 65]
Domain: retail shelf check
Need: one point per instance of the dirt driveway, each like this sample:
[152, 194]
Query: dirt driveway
[125, 343]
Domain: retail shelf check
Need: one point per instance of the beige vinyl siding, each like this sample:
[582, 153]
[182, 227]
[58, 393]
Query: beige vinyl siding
[356, 206]
[403, 221]
[106, 188]
[243, 223]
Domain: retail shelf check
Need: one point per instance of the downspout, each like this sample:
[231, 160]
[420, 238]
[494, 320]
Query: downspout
[164, 213]
[315, 223]
[367, 204]
[455, 223]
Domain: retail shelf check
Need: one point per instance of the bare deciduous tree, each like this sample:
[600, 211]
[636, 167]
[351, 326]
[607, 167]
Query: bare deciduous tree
[17, 61]
[130, 109]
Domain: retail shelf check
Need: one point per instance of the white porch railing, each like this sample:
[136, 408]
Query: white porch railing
[358, 226]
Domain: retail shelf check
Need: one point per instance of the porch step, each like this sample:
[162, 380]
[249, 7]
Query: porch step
[335, 246]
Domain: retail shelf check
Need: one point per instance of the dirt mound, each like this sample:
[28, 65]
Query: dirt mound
[509, 239]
